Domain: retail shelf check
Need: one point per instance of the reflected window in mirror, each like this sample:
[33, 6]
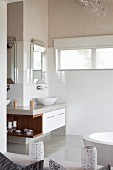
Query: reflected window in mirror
[37, 65]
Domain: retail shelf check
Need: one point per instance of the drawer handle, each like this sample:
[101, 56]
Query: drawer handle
[50, 117]
[61, 114]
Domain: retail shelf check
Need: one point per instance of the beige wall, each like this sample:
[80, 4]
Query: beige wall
[28, 19]
[67, 19]
[36, 20]
[15, 20]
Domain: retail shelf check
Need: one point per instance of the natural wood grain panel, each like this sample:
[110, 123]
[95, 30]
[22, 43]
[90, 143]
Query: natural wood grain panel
[26, 122]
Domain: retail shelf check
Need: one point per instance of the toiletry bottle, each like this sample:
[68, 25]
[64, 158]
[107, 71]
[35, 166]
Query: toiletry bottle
[32, 103]
[15, 104]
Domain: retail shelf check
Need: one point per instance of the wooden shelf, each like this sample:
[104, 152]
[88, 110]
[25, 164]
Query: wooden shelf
[26, 122]
[35, 134]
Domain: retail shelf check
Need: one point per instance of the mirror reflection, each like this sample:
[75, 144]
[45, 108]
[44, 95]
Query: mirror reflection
[38, 63]
[11, 62]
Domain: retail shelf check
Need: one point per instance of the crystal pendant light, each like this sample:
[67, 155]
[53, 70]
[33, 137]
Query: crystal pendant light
[95, 5]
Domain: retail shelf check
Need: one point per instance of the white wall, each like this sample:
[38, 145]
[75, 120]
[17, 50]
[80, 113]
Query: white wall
[89, 94]
[33, 22]
[24, 90]
[89, 97]
[29, 90]
[3, 63]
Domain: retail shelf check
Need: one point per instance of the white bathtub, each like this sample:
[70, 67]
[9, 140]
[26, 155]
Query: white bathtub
[104, 143]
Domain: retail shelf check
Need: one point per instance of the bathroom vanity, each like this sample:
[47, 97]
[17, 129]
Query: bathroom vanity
[41, 119]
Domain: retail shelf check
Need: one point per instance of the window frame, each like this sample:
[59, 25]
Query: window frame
[93, 59]
[89, 42]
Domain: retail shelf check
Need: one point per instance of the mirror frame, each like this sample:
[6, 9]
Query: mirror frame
[42, 49]
[11, 42]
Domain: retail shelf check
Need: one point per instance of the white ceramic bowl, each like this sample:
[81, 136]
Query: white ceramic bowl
[47, 100]
[7, 101]
[29, 133]
[30, 130]
[18, 131]
[25, 130]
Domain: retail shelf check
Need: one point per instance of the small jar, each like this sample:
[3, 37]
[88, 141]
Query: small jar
[9, 125]
[14, 125]
[10, 128]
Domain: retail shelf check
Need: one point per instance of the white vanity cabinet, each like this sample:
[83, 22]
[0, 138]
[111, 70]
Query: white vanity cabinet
[41, 119]
[53, 120]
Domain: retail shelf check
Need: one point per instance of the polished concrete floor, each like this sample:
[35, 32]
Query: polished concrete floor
[56, 146]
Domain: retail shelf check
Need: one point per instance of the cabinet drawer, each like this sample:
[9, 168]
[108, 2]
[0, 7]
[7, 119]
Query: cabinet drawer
[48, 122]
[53, 120]
[60, 116]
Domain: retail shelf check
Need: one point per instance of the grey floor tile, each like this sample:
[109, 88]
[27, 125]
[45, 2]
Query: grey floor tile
[56, 146]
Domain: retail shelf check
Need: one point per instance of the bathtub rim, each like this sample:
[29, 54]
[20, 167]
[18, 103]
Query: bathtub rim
[87, 138]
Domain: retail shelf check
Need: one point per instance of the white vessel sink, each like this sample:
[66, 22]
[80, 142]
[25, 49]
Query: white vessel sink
[7, 101]
[47, 100]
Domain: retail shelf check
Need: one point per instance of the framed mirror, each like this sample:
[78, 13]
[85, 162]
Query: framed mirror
[11, 61]
[38, 63]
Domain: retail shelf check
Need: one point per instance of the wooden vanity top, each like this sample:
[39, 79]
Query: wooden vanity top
[38, 109]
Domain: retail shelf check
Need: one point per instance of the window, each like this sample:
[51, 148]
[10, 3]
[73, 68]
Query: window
[104, 58]
[37, 60]
[95, 58]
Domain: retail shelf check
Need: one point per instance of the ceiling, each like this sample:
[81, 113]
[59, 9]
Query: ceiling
[9, 1]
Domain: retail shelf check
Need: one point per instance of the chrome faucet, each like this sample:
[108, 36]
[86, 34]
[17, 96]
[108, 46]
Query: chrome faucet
[39, 88]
